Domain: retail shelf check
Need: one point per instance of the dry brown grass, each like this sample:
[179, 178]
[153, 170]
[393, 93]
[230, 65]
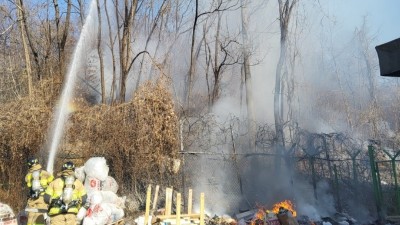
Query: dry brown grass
[138, 138]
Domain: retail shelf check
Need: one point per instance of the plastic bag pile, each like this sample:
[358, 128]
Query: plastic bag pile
[6, 211]
[7, 216]
[105, 206]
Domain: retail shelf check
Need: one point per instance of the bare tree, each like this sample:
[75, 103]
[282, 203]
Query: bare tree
[285, 10]
[62, 30]
[188, 85]
[111, 45]
[125, 51]
[21, 19]
[155, 22]
[100, 52]
[220, 6]
[365, 50]
[247, 75]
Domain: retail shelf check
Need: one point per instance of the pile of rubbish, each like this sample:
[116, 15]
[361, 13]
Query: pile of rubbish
[262, 216]
[105, 206]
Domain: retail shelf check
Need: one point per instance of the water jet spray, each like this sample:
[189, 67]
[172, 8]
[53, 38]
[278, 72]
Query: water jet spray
[62, 111]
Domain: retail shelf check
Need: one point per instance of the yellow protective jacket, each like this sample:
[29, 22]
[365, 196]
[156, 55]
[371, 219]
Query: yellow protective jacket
[54, 192]
[44, 177]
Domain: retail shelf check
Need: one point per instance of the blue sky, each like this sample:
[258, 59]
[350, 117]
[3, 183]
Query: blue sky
[383, 16]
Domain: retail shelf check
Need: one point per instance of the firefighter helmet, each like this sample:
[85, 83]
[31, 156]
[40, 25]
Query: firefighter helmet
[68, 166]
[32, 161]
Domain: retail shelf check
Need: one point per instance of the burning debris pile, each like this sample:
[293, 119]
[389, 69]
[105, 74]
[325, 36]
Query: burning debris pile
[282, 213]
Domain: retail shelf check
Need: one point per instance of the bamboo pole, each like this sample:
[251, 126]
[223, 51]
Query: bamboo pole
[202, 208]
[155, 197]
[168, 201]
[190, 199]
[178, 209]
[148, 199]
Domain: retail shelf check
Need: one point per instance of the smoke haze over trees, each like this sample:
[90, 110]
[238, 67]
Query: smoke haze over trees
[244, 76]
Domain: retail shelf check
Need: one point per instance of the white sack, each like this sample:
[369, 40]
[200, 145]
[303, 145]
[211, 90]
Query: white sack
[89, 221]
[80, 173]
[98, 215]
[97, 197]
[92, 184]
[117, 213]
[5, 210]
[103, 213]
[97, 167]
[109, 185]
[140, 220]
[81, 214]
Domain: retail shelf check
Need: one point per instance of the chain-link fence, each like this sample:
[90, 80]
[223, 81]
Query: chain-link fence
[323, 173]
[239, 182]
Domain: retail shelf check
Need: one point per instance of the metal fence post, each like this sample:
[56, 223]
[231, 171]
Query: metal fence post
[314, 176]
[375, 182]
[396, 186]
[353, 159]
[339, 203]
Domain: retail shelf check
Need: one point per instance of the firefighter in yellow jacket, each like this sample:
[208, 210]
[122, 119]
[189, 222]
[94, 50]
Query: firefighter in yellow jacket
[65, 195]
[37, 181]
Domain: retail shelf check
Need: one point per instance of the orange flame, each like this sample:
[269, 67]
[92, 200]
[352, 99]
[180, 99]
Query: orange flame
[260, 215]
[285, 204]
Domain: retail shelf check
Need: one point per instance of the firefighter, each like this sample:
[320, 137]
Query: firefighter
[65, 195]
[37, 181]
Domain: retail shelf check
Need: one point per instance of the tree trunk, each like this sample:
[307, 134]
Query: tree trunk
[26, 50]
[215, 92]
[100, 52]
[125, 44]
[62, 35]
[285, 10]
[113, 83]
[247, 78]
[192, 68]
[28, 37]
[153, 28]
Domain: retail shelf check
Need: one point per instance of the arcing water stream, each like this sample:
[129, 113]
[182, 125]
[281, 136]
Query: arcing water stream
[62, 111]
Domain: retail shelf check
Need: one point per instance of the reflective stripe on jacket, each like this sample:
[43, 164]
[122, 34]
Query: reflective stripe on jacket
[55, 190]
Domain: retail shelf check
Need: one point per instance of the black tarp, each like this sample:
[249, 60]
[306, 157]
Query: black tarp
[389, 58]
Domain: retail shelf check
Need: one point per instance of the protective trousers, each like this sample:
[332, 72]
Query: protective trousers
[36, 218]
[63, 219]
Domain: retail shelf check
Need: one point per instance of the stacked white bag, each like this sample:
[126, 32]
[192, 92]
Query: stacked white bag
[7, 216]
[105, 206]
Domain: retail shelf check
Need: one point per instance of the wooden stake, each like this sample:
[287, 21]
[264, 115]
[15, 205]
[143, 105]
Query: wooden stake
[155, 197]
[202, 208]
[190, 197]
[168, 201]
[178, 209]
[148, 196]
